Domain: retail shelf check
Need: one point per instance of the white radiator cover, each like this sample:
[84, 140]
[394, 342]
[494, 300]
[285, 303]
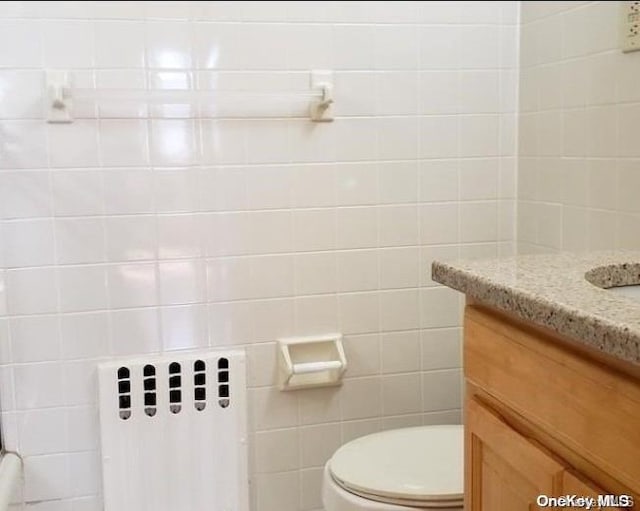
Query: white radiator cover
[175, 444]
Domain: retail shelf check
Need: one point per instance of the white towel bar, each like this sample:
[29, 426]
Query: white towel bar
[61, 95]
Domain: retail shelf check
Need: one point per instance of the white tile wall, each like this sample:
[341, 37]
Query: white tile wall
[577, 149]
[129, 235]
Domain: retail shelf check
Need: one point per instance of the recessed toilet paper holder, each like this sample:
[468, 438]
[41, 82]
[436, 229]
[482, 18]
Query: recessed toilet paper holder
[306, 362]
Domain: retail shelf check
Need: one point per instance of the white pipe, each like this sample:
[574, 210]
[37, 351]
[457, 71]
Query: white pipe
[10, 472]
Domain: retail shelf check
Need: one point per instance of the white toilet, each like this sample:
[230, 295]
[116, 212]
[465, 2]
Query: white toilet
[404, 469]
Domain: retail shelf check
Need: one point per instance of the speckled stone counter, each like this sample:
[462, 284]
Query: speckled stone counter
[563, 292]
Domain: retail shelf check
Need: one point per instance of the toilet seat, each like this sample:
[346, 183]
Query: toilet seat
[336, 498]
[405, 468]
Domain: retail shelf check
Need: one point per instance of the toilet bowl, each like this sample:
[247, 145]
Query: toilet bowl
[404, 469]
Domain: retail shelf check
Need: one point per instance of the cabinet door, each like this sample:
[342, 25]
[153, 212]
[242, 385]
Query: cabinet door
[576, 485]
[503, 470]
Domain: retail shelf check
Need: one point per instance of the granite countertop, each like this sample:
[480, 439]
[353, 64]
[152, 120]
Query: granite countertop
[563, 292]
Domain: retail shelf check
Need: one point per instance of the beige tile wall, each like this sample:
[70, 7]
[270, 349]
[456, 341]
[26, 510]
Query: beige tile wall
[136, 235]
[579, 167]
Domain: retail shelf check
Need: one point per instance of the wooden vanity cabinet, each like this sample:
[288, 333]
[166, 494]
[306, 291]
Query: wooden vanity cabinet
[506, 471]
[542, 417]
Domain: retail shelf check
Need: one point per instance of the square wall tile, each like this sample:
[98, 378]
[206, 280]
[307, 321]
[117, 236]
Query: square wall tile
[439, 47]
[278, 491]
[400, 352]
[320, 405]
[396, 47]
[181, 282]
[276, 451]
[441, 348]
[119, 44]
[168, 45]
[318, 443]
[399, 310]
[315, 273]
[39, 385]
[184, 327]
[178, 236]
[77, 192]
[398, 138]
[354, 47]
[31, 291]
[19, 46]
[82, 288]
[356, 184]
[357, 227]
[24, 87]
[442, 390]
[128, 191]
[400, 267]
[397, 93]
[358, 270]
[363, 354]
[361, 398]
[310, 488]
[478, 221]
[135, 332]
[68, 44]
[359, 313]
[46, 477]
[79, 240]
[176, 190]
[84, 335]
[440, 307]
[272, 319]
[269, 187]
[28, 243]
[439, 180]
[314, 186]
[74, 144]
[172, 143]
[25, 194]
[398, 225]
[80, 379]
[273, 231]
[84, 471]
[273, 409]
[398, 182]
[399, 394]
[43, 431]
[24, 145]
[316, 315]
[124, 143]
[132, 285]
[314, 229]
[34, 339]
[131, 238]
[439, 223]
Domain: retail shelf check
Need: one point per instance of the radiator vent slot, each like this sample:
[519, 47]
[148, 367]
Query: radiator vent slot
[175, 387]
[223, 383]
[149, 385]
[124, 393]
[200, 385]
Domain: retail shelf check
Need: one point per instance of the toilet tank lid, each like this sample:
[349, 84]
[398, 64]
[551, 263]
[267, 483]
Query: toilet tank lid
[422, 463]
